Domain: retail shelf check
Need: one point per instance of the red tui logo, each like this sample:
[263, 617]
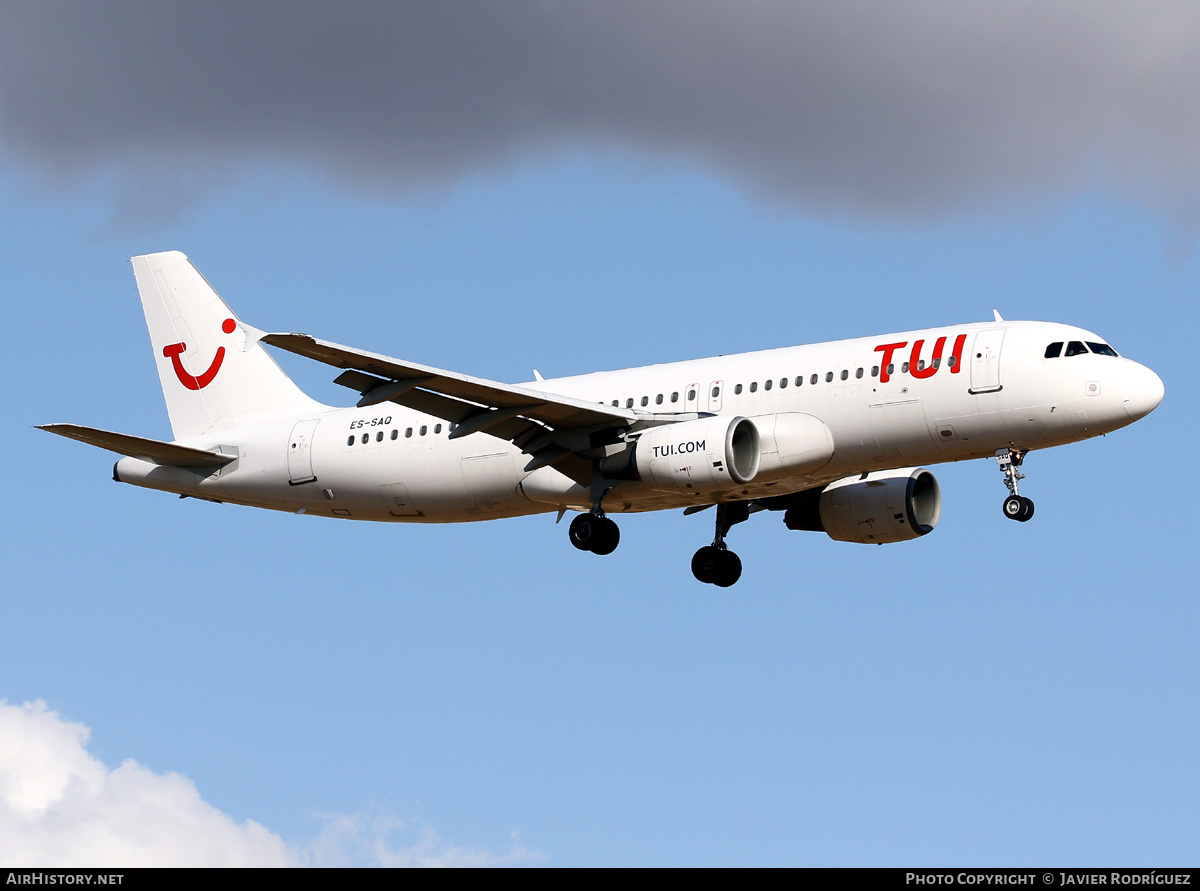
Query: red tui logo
[193, 382]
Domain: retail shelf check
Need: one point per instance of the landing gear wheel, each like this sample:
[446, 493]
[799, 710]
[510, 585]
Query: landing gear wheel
[589, 532]
[704, 564]
[1028, 513]
[716, 566]
[607, 538]
[1018, 507]
[1014, 507]
[583, 531]
[729, 569]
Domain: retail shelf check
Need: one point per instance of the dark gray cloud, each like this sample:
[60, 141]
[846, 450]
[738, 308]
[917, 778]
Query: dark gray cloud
[878, 108]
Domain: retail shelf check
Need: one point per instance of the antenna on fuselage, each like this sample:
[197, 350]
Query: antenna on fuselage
[996, 313]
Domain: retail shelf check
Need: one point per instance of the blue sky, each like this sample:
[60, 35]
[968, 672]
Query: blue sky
[993, 693]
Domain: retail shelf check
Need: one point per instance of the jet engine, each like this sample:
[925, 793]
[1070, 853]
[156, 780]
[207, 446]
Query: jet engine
[705, 455]
[886, 506]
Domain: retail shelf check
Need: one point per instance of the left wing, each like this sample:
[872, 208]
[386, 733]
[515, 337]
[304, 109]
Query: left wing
[550, 427]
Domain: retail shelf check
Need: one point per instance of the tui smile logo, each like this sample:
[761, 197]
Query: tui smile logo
[193, 382]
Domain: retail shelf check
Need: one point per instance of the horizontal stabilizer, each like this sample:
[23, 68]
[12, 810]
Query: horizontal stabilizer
[151, 450]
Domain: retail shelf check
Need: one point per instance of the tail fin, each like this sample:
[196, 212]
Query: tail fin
[213, 370]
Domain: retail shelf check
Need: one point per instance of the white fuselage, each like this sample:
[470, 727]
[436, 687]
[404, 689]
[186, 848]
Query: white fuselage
[390, 463]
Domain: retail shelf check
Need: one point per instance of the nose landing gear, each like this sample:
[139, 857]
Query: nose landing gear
[715, 564]
[1016, 506]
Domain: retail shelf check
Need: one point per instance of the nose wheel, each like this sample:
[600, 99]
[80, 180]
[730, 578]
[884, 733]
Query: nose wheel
[1016, 506]
[715, 564]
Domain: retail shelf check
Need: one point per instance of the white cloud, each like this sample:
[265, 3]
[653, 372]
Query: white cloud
[60, 806]
[380, 840]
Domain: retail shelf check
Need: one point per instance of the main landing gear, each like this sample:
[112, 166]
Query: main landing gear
[593, 531]
[1016, 506]
[715, 564]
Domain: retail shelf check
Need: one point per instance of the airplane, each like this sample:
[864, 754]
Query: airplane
[830, 434]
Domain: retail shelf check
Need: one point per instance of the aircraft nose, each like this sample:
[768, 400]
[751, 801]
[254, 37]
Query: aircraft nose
[1141, 389]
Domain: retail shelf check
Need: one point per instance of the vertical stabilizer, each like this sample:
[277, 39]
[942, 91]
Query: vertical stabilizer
[214, 372]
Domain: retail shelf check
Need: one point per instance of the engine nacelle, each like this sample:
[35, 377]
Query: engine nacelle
[705, 455]
[887, 506]
[793, 444]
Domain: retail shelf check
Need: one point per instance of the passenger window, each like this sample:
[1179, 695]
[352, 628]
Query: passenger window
[920, 365]
[1102, 349]
[658, 399]
[350, 441]
[366, 437]
[1054, 350]
[891, 368]
[616, 403]
[813, 379]
[629, 402]
[828, 376]
[767, 385]
[754, 386]
[691, 395]
[799, 380]
[950, 362]
[874, 371]
[1075, 348]
[437, 428]
[675, 396]
[423, 430]
[737, 391]
[858, 374]
[395, 435]
[782, 382]
[716, 391]
[645, 401]
[379, 436]
[904, 368]
[845, 373]
[408, 432]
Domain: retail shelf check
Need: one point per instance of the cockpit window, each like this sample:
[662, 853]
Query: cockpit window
[1075, 348]
[1102, 349]
[1054, 350]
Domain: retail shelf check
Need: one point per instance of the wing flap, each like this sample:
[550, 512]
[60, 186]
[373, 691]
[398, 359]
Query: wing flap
[166, 453]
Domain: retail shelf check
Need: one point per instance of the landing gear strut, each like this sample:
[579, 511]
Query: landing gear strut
[715, 564]
[1016, 506]
[594, 531]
